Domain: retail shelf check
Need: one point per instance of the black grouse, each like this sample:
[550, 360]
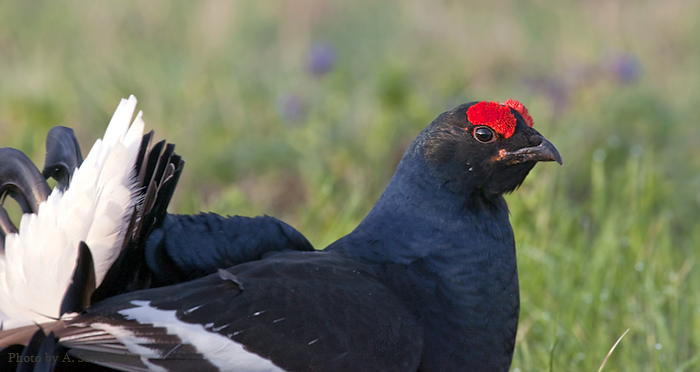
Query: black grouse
[427, 282]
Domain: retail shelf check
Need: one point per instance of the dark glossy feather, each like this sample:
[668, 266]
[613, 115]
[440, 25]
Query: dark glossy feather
[300, 310]
[63, 156]
[77, 297]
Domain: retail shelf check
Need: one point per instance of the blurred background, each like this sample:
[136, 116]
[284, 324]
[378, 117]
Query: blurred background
[301, 110]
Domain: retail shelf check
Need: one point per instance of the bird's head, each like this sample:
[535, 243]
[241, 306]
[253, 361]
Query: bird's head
[484, 147]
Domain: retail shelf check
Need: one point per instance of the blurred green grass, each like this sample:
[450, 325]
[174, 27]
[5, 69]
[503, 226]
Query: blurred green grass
[605, 243]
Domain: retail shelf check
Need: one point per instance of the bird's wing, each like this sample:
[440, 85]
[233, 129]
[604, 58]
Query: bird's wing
[293, 311]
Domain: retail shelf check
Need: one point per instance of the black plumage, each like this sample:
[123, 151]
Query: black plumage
[20, 180]
[302, 310]
[186, 247]
[63, 155]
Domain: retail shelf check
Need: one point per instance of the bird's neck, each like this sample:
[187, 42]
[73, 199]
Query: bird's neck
[418, 217]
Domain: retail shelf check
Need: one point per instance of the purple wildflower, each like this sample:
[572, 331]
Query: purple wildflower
[321, 58]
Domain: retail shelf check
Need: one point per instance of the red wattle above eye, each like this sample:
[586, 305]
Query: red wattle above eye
[493, 115]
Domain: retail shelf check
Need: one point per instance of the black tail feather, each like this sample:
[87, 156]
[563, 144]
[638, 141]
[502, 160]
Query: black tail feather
[63, 156]
[50, 354]
[22, 181]
[77, 296]
[158, 169]
[29, 355]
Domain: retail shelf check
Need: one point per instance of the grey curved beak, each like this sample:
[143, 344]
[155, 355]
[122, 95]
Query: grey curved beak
[545, 151]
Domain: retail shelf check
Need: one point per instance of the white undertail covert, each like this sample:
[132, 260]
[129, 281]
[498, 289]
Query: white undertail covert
[38, 263]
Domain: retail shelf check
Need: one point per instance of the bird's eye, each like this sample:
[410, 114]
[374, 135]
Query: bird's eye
[484, 134]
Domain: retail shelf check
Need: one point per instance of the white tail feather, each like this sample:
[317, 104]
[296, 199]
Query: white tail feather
[39, 261]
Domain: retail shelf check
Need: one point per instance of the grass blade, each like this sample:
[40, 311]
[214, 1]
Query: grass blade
[611, 350]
